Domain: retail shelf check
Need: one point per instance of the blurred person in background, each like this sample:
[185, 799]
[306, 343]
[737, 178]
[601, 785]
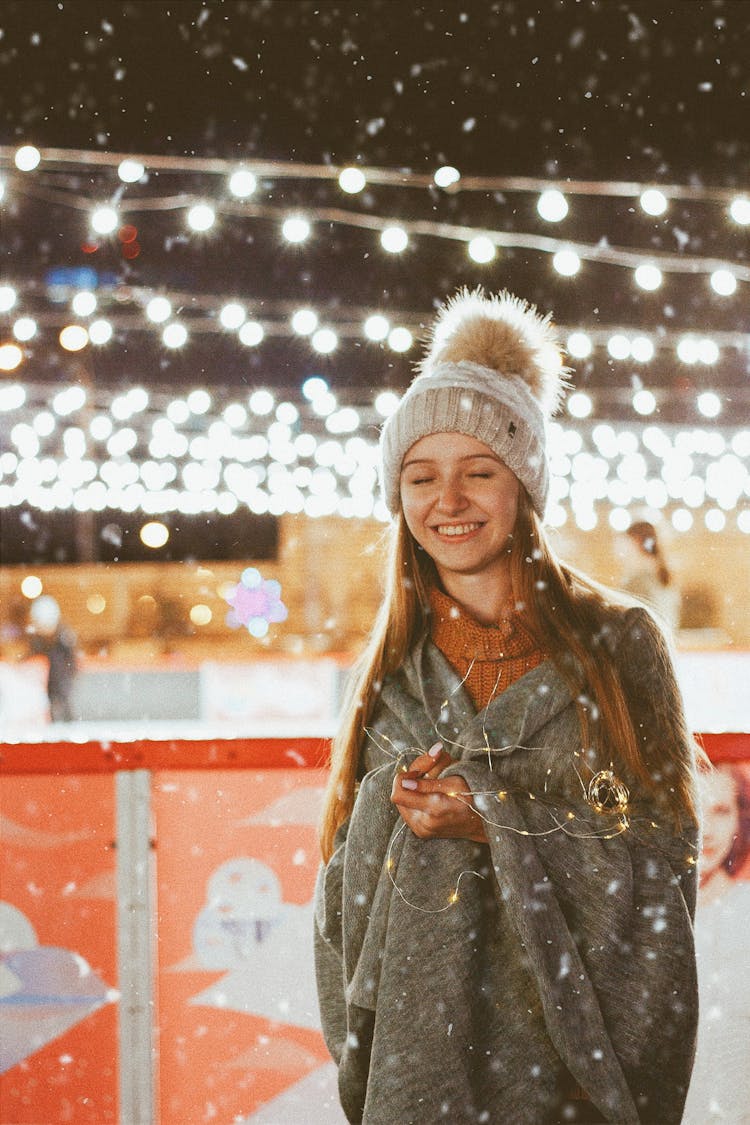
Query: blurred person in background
[720, 1086]
[645, 573]
[51, 638]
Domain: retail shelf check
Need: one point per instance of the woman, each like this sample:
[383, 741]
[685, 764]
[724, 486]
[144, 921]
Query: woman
[503, 918]
[720, 1085]
[647, 576]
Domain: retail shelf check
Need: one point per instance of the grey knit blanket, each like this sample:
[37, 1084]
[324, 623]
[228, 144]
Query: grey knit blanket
[472, 983]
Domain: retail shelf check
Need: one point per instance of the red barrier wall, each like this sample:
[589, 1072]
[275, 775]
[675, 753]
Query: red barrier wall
[235, 844]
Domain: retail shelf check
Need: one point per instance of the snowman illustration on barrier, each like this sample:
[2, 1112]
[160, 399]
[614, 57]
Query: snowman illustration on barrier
[262, 942]
[243, 907]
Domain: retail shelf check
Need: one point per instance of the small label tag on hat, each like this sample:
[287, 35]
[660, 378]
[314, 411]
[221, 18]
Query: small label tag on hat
[512, 429]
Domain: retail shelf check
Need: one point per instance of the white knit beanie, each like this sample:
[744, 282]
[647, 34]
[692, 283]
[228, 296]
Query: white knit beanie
[493, 370]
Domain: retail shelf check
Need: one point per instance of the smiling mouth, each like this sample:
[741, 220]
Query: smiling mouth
[452, 529]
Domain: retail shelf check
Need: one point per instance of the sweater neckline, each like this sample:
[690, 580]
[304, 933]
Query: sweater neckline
[455, 631]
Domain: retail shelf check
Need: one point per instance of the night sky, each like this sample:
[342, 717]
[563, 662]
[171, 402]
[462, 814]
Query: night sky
[563, 88]
[645, 91]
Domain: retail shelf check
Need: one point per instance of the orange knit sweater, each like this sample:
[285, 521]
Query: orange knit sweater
[490, 657]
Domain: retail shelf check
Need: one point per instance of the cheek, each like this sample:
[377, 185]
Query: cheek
[411, 513]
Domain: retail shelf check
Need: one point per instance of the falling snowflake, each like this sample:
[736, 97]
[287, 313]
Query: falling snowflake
[256, 603]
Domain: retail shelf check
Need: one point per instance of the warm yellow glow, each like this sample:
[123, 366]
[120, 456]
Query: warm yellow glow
[31, 587]
[200, 614]
[154, 534]
[74, 337]
[10, 357]
[96, 603]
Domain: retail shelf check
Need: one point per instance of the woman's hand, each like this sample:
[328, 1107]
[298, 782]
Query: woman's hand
[434, 806]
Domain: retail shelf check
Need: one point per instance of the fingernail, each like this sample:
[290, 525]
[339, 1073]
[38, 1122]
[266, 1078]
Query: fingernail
[408, 783]
[435, 750]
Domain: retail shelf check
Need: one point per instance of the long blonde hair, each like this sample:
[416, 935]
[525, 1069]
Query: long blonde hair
[562, 608]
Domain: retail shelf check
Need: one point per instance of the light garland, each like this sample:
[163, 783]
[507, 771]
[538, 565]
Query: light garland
[131, 167]
[605, 794]
[68, 447]
[34, 167]
[141, 309]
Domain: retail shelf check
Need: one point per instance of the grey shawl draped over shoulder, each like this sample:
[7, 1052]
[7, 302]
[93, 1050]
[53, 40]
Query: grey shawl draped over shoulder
[568, 948]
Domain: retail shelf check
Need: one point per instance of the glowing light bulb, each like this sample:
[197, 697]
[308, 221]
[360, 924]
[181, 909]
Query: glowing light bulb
[251, 333]
[104, 220]
[644, 402]
[642, 349]
[682, 519]
[324, 341]
[10, 357]
[618, 346]
[653, 201]
[242, 183]
[482, 249]
[296, 229]
[261, 402]
[200, 614]
[715, 519]
[304, 322]
[394, 240]
[566, 262]
[400, 339]
[739, 209]
[201, 217]
[130, 171]
[708, 351]
[154, 534]
[174, 335]
[24, 328]
[74, 337]
[579, 405]
[232, 315]
[159, 309]
[552, 206]
[386, 402]
[84, 303]
[687, 350]
[8, 297]
[723, 282]
[27, 158]
[579, 345]
[31, 586]
[648, 277]
[446, 176]
[199, 402]
[100, 332]
[709, 404]
[352, 180]
[314, 387]
[376, 328]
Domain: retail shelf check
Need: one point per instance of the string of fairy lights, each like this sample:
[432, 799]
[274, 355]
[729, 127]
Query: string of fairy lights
[604, 794]
[69, 447]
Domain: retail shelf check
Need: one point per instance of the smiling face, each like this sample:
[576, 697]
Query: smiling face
[720, 819]
[460, 502]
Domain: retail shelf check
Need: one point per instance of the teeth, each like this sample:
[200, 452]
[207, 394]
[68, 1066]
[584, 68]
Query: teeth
[457, 528]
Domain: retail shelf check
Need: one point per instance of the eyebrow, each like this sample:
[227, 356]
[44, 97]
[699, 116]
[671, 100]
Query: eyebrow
[468, 457]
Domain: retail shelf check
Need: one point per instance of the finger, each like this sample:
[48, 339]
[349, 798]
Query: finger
[446, 786]
[437, 757]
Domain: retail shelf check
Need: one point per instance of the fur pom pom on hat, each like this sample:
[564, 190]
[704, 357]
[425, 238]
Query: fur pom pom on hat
[493, 370]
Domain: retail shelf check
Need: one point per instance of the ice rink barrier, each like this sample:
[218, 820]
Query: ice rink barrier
[155, 925]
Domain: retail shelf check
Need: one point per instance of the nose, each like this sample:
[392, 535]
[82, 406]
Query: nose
[451, 498]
